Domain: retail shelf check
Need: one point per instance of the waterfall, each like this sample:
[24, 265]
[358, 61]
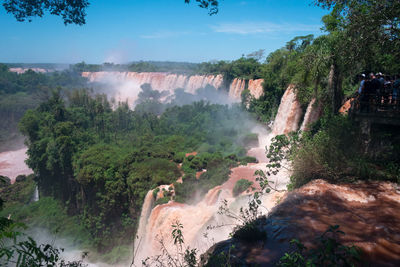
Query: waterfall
[236, 88]
[238, 85]
[128, 83]
[156, 223]
[197, 217]
[313, 113]
[140, 241]
[289, 113]
[35, 196]
[256, 87]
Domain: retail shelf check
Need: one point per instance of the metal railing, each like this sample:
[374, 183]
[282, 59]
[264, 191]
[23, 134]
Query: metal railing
[376, 103]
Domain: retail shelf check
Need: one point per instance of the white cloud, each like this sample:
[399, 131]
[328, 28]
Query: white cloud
[244, 28]
[163, 34]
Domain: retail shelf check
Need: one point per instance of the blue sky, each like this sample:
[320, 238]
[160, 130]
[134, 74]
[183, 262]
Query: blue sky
[121, 31]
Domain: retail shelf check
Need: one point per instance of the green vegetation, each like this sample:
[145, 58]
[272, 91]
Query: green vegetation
[19, 192]
[335, 150]
[241, 186]
[218, 170]
[20, 249]
[328, 252]
[102, 162]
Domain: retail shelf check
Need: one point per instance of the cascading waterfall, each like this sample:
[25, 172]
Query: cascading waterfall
[313, 113]
[196, 218]
[289, 113]
[238, 85]
[128, 83]
[35, 196]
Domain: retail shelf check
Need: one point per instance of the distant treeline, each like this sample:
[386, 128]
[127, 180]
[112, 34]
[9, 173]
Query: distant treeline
[241, 68]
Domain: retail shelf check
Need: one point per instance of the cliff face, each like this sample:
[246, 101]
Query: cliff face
[366, 212]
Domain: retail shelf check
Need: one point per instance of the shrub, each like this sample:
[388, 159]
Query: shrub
[162, 200]
[329, 252]
[250, 232]
[18, 193]
[4, 181]
[179, 157]
[328, 153]
[241, 186]
[155, 192]
[247, 159]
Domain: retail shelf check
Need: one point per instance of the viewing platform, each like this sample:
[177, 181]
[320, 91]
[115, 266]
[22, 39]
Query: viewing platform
[377, 110]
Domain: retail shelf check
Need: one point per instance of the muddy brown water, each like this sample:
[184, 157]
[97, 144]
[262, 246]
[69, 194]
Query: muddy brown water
[366, 212]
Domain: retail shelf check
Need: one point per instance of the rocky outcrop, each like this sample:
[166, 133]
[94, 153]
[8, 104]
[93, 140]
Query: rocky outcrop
[366, 212]
[344, 109]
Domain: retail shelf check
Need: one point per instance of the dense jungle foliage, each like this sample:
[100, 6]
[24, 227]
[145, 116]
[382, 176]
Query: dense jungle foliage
[101, 161]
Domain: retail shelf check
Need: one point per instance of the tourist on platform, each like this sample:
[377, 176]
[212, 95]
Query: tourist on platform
[396, 88]
[387, 89]
[362, 81]
[366, 93]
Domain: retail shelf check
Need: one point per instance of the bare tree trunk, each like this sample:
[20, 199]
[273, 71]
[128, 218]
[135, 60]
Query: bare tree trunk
[335, 88]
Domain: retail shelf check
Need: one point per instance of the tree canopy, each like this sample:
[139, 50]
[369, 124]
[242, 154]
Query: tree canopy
[71, 11]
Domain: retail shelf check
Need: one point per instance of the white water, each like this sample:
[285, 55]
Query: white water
[289, 113]
[196, 218]
[127, 84]
[35, 197]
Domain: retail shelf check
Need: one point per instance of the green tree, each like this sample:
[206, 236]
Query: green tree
[72, 12]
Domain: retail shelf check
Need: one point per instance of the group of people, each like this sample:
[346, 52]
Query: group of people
[378, 90]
